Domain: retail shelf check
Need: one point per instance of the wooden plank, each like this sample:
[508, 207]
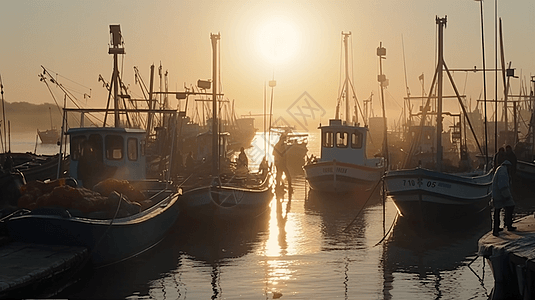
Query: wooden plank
[23, 264]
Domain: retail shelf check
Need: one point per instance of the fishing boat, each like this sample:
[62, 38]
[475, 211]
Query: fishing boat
[224, 191]
[115, 158]
[49, 136]
[432, 194]
[43, 167]
[343, 165]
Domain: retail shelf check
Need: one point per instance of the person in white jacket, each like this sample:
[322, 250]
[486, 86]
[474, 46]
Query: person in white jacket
[502, 198]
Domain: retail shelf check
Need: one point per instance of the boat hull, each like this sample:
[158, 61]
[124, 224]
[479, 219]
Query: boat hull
[226, 201]
[338, 177]
[109, 241]
[525, 170]
[50, 136]
[421, 194]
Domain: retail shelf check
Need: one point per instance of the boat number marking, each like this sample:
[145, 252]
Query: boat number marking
[409, 182]
[338, 170]
[431, 184]
[341, 170]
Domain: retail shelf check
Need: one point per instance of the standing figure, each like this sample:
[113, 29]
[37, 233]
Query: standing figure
[243, 161]
[499, 157]
[263, 167]
[502, 198]
[279, 155]
[511, 157]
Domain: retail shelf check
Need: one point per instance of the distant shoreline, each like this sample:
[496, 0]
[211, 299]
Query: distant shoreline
[24, 117]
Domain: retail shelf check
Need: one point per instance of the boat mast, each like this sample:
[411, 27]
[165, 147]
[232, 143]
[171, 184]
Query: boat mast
[116, 43]
[346, 81]
[215, 129]
[381, 53]
[4, 143]
[441, 22]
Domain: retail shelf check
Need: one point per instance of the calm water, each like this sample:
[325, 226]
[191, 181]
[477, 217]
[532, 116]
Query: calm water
[299, 249]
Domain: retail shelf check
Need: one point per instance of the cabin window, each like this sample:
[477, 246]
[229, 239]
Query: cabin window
[132, 149]
[95, 142]
[356, 140]
[114, 147]
[77, 143]
[142, 148]
[341, 139]
[328, 139]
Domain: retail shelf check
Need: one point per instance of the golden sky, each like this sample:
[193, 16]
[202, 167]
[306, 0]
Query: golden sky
[71, 38]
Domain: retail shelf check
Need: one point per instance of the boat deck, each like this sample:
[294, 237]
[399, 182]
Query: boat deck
[26, 268]
[512, 258]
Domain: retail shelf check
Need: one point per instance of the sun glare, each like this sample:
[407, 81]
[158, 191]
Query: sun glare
[278, 40]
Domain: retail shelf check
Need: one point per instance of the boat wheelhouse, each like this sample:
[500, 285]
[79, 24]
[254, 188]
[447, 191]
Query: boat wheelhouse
[343, 165]
[109, 152]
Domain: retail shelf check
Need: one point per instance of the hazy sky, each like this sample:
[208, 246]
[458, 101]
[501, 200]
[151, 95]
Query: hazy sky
[71, 38]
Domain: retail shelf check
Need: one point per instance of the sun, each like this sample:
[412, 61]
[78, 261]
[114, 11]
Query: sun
[278, 40]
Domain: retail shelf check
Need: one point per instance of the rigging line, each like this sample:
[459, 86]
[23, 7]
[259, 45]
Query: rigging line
[357, 103]
[388, 232]
[60, 86]
[407, 90]
[393, 99]
[364, 205]
[59, 75]
[53, 97]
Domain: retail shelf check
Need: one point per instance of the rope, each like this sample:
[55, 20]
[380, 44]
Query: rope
[388, 232]
[369, 197]
[107, 228]
[481, 280]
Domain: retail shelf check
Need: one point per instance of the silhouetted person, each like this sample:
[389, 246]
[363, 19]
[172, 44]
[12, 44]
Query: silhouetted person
[511, 157]
[502, 198]
[279, 155]
[499, 157]
[243, 161]
[263, 167]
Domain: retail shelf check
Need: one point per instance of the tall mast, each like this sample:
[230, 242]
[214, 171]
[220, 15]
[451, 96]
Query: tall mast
[346, 81]
[4, 144]
[115, 49]
[215, 131]
[441, 22]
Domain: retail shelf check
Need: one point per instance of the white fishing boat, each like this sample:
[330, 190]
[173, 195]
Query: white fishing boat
[430, 195]
[224, 191]
[343, 165]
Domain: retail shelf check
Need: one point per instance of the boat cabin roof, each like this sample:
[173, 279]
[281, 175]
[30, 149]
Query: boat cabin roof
[337, 125]
[105, 130]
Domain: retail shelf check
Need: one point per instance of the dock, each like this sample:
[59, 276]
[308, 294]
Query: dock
[511, 256]
[29, 270]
